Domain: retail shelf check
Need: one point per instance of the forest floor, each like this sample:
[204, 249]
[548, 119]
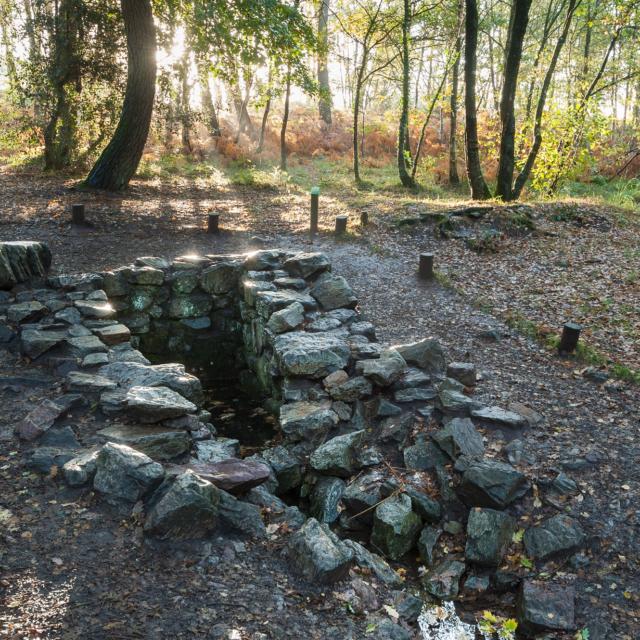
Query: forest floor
[499, 307]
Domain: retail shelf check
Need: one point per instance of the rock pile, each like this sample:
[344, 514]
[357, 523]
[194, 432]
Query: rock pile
[379, 443]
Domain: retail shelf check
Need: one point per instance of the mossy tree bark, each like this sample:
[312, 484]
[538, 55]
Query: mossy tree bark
[324, 103]
[119, 161]
[403, 129]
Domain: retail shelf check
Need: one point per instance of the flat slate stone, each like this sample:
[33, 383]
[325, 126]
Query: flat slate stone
[26, 312]
[88, 383]
[268, 302]
[36, 342]
[158, 443]
[384, 370]
[307, 420]
[311, 355]
[232, 475]
[41, 418]
[152, 404]
[501, 417]
[113, 334]
[95, 309]
[325, 498]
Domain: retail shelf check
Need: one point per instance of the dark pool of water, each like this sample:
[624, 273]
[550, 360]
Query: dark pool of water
[234, 415]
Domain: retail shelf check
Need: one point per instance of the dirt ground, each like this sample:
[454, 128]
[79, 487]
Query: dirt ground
[580, 266]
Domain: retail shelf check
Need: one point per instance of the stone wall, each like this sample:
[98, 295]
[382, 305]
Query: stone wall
[379, 444]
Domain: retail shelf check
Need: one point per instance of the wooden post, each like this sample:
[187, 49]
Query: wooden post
[364, 218]
[341, 224]
[213, 224]
[77, 214]
[425, 270]
[569, 338]
[315, 206]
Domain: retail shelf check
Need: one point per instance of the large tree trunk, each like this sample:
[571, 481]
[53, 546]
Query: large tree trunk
[479, 188]
[356, 113]
[403, 129]
[324, 103]
[64, 74]
[454, 178]
[119, 161]
[517, 29]
[521, 180]
[185, 101]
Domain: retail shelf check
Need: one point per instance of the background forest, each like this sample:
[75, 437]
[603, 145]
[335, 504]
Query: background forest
[510, 97]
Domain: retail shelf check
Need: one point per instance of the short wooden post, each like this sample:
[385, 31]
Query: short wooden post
[77, 214]
[425, 270]
[569, 338]
[364, 218]
[315, 206]
[213, 224]
[341, 224]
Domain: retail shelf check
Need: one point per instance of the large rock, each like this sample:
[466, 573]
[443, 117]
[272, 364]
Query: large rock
[543, 606]
[286, 319]
[221, 278]
[443, 580]
[427, 541]
[488, 536]
[337, 456]
[455, 403]
[374, 563]
[492, 484]
[308, 421]
[426, 354]
[557, 536]
[325, 498]
[183, 507]
[81, 469]
[152, 404]
[21, 261]
[333, 292]
[158, 443]
[395, 526]
[304, 265]
[216, 450]
[134, 374]
[318, 554]
[232, 475]
[36, 342]
[310, 355]
[350, 389]
[384, 370]
[88, 383]
[361, 496]
[241, 516]
[464, 372]
[124, 474]
[30, 311]
[286, 468]
[459, 437]
[268, 302]
[500, 417]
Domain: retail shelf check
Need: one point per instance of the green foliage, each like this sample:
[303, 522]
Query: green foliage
[493, 626]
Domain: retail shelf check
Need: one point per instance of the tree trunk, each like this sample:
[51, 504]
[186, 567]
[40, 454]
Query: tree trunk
[210, 111]
[119, 161]
[324, 102]
[517, 30]
[185, 102]
[356, 114]
[403, 129]
[479, 188]
[454, 178]
[285, 121]
[64, 75]
[542, 99]
[263, 126]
